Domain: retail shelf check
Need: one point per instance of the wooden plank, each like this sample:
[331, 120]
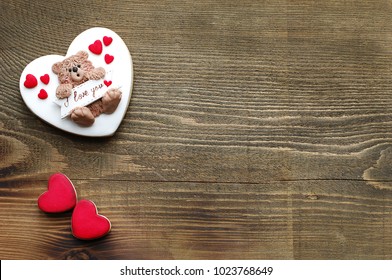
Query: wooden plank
[256, 130]
[34, 154]
[282, 220]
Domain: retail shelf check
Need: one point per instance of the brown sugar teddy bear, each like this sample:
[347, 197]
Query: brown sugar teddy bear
[75, 70]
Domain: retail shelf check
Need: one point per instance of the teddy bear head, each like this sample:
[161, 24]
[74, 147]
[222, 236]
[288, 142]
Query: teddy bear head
[74, 69]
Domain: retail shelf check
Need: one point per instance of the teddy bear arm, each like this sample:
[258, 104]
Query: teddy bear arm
[63, 91]
[96, 73]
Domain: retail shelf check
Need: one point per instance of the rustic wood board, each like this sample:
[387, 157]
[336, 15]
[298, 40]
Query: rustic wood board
[256, 130]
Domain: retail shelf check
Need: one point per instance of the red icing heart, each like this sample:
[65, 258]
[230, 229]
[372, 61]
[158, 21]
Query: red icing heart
[86, 223]
[108, 58]
[31, 81]
[96, 47]
[42, 94]
[60, 196]
[107, 83]
[107, 40]
[45, 79]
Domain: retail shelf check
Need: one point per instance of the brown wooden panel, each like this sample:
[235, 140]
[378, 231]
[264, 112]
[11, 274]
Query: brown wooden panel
[256, 130]
[281, 220]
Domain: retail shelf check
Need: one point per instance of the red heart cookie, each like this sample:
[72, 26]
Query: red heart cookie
[107, 83]
[107, 40]
[86, 223]
[96, 47]
[108, 58]
[60, 196]
[31, 81]
[42, 94]
[45, 79]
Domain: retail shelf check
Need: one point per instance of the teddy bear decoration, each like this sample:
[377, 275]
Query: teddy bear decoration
[75, 71]
[87, 92]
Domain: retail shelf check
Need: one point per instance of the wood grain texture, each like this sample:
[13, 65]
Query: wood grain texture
[256, 130]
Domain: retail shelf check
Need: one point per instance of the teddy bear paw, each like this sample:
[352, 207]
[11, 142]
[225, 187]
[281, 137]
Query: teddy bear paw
[63, 91]
[82, 116]
[110, 100]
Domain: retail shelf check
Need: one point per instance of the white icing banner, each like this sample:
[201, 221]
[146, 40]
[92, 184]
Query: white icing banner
[84, 94]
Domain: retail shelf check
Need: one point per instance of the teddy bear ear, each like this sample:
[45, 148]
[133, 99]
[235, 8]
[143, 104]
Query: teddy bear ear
[56, 68]
[82, 54]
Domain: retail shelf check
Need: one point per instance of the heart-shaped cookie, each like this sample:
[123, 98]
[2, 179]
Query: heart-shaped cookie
[121, 75]
[60, 196]
[86, 223]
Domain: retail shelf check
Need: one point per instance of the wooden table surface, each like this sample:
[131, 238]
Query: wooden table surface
[256, 130]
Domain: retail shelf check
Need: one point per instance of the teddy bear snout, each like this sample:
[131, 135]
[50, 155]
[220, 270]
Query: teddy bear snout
[77, 74]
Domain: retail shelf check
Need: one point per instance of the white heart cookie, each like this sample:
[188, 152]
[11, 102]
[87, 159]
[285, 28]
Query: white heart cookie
[114, 58]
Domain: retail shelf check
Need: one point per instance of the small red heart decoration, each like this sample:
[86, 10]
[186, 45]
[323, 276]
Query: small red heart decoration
[42, 94]
[96, 47]
[107, 40]
[45, 79]
[60, 196]
[31, 81]
[86, 223]
[108, 58]
[107, 83]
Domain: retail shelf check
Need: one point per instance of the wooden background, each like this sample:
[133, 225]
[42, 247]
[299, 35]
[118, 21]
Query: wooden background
[256, 130]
